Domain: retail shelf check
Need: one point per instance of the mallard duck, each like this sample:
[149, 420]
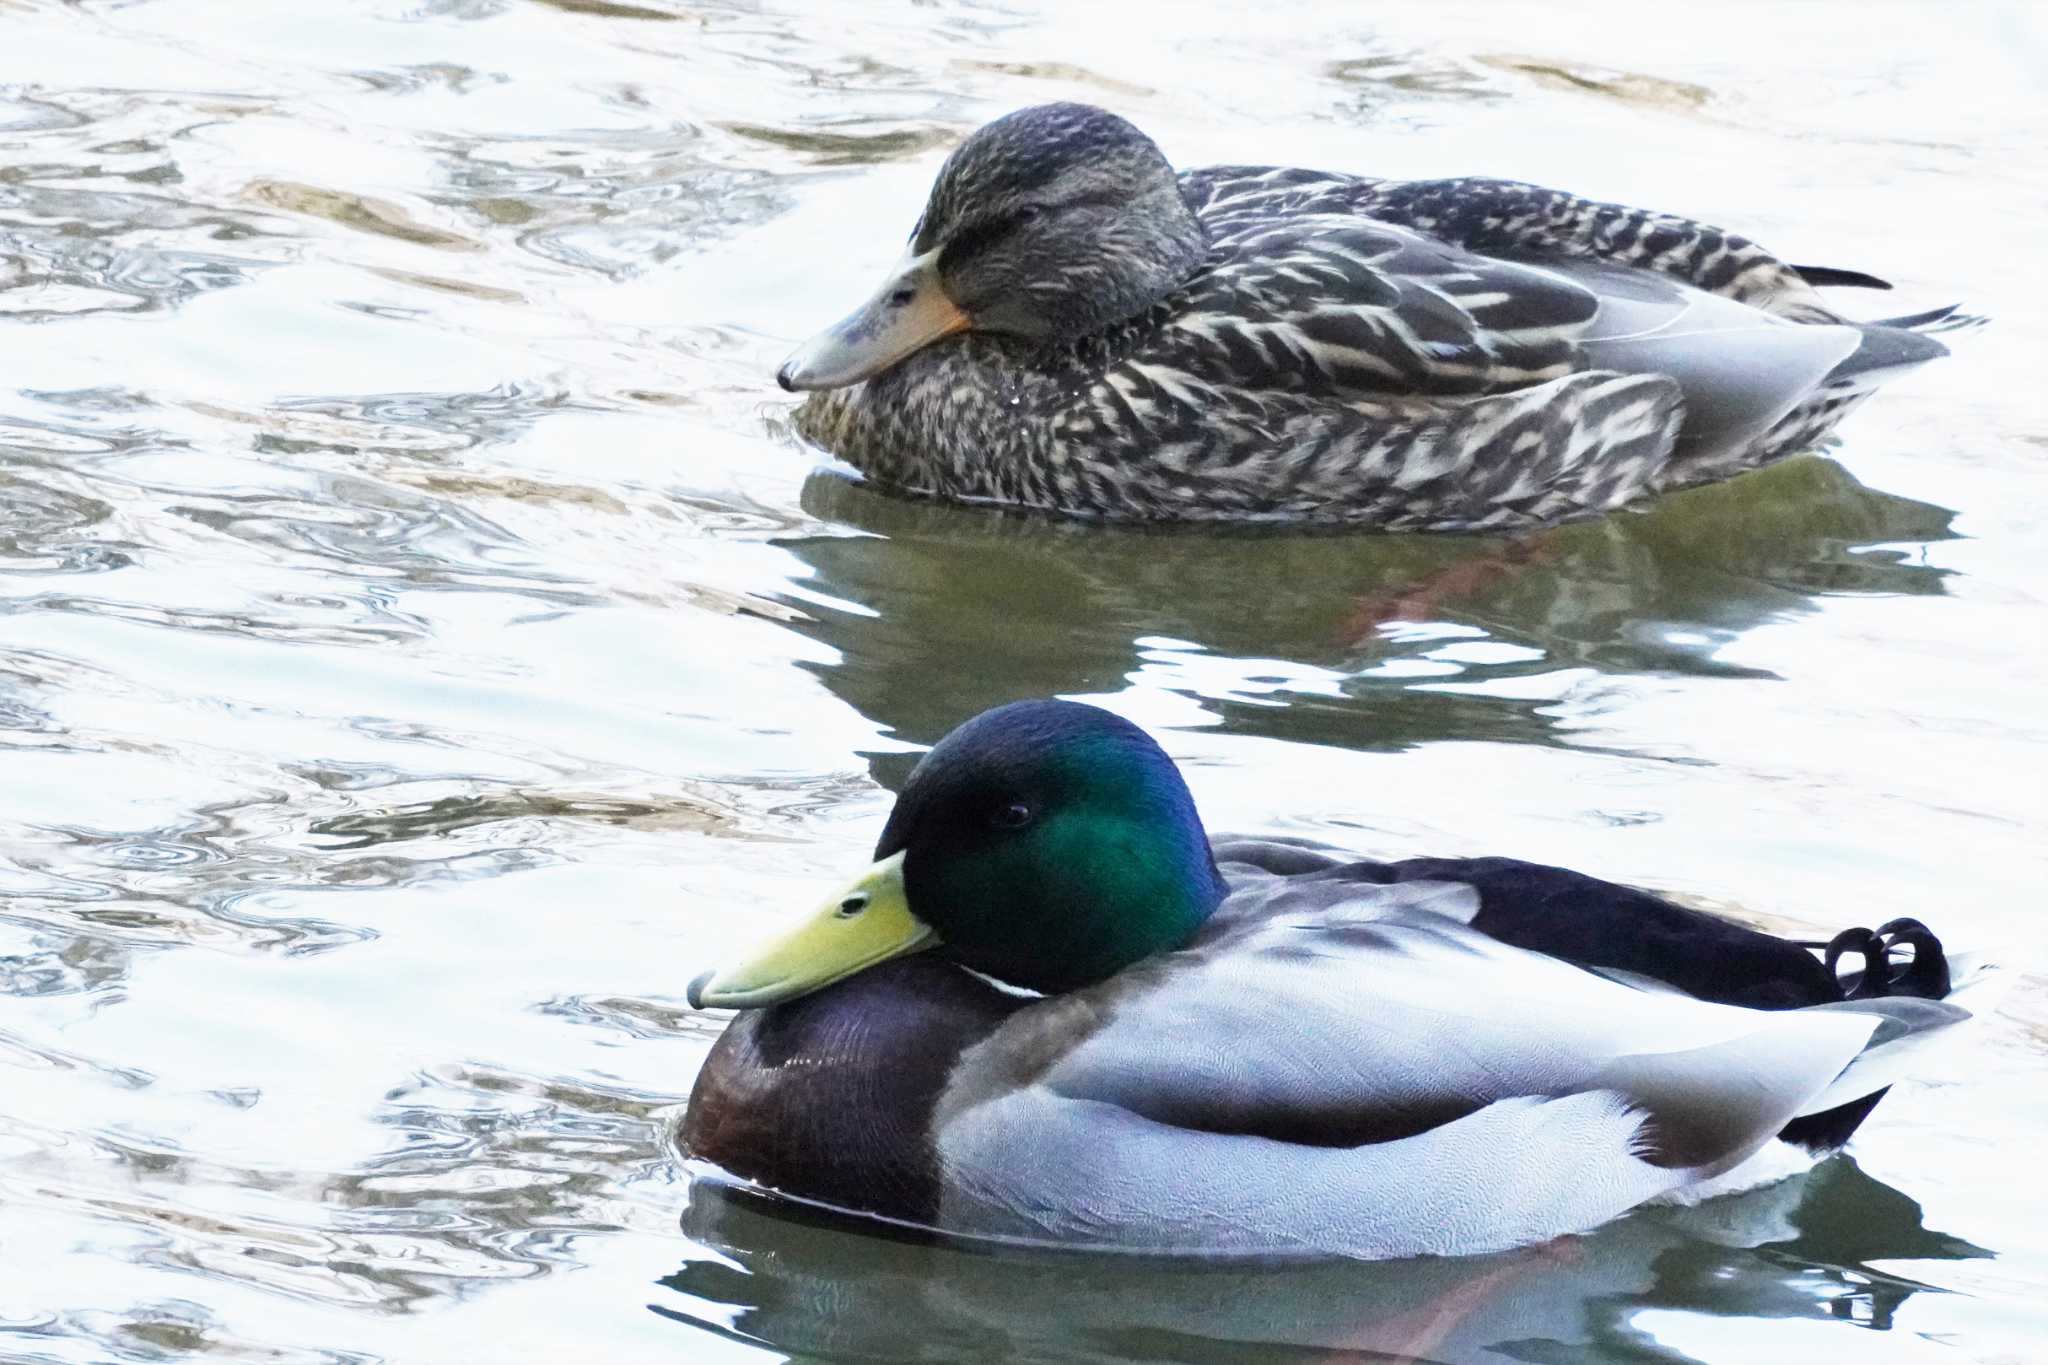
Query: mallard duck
[1075, 327]
[1055, 1012]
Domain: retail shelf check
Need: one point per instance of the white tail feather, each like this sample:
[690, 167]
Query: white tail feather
[1908, 1031]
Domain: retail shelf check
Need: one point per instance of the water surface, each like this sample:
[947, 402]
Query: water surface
[423, 648]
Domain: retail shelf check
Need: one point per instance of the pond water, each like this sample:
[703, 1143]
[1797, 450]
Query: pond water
[423, 648]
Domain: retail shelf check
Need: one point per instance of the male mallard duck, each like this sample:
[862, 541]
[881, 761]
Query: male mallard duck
[1077, 328]
[1054, 1012]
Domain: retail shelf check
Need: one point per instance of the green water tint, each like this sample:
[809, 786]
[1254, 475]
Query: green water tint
[975, 609]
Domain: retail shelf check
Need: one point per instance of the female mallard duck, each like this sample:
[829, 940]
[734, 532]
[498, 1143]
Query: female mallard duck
[1077, 328]
[1120, 1035]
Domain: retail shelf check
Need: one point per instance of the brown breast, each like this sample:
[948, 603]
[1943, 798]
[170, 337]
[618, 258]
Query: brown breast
[830, 1097]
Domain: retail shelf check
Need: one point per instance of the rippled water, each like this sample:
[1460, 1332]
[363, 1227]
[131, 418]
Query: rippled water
[422, 649]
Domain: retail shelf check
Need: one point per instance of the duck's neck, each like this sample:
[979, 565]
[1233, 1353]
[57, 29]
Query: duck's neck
[966, 418]
[1135, 899]
[825, 1096]
[1097, 889]
[1154, 248]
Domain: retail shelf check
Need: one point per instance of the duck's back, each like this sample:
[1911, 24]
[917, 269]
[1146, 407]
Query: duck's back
[1513, 220]
[1345, 1067]
[1479, 352]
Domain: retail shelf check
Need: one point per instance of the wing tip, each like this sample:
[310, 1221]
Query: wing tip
[1841, 279]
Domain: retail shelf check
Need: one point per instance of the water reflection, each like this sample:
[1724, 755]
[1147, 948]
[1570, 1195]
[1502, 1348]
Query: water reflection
[1801, 1249]
[942, 611]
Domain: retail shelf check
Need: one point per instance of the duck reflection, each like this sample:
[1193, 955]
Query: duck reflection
[1800, 1249]
[943, 611]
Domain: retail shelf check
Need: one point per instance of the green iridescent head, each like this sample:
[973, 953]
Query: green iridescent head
[1045, 843]
[1051, 845]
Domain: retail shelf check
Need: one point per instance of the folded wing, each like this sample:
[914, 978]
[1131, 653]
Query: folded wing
[1350, 1070]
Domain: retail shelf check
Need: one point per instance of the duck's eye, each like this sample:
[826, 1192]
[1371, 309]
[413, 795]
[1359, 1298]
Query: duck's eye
[1029, 212]
[852, 905]
[1015, 815]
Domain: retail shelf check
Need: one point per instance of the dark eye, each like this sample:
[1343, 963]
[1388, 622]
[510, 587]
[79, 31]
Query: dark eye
[1029, 212]
[1015, 815]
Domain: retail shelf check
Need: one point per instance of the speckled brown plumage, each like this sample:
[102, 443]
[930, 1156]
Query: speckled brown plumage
[1440, 354]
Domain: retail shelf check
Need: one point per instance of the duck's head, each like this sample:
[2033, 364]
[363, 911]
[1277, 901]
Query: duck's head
[1045, 843]
[1048, 224]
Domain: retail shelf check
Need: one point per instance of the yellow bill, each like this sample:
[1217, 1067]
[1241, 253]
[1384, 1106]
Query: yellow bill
[866, 922]
[909, 312]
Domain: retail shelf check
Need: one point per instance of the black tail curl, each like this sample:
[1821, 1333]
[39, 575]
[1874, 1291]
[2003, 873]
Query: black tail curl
[1900, 957]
